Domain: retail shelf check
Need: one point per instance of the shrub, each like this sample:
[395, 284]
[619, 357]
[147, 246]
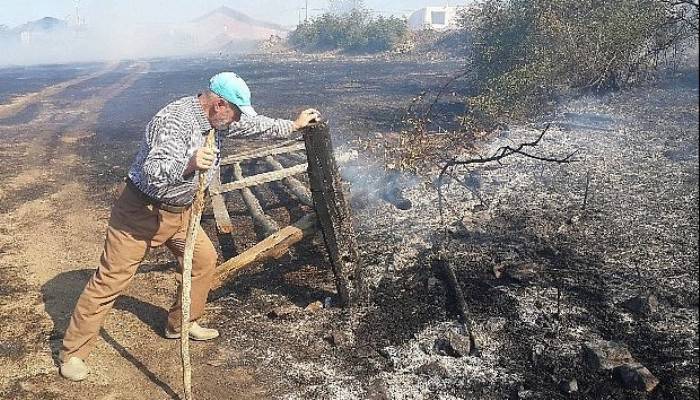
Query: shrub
[526, 51]
[355, 31]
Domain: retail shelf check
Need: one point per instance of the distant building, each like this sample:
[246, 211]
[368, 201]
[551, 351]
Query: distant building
[436, 18]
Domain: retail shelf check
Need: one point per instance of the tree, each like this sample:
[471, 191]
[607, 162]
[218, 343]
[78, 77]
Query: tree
[527, 51]
[355, 31]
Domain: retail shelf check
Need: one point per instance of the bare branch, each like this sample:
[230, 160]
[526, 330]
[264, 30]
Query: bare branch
[499, 154]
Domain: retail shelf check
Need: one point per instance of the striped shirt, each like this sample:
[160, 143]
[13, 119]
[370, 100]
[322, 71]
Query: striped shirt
[174, 135]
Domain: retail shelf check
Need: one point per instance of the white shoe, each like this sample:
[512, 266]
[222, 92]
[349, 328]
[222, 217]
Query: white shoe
[196, 333]
[74, 369]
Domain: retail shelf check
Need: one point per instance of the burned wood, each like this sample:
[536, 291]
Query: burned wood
[292, 184]
[333, 213]
[261, 153]
[454, 293]
[261, 179]
[268, 225]
[218, 203]
[273, 247]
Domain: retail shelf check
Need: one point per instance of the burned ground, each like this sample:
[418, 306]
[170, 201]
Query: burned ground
[637, 233]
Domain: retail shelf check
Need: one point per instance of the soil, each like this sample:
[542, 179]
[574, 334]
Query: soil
[636, 171]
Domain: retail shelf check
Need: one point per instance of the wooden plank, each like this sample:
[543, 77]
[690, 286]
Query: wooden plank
[301, 192]
[261, 153]
[218, 203]
[333, 213]
[261, 219]
[274, 247]
[263, 178]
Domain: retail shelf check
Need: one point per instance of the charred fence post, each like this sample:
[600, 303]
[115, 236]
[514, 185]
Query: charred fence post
[333, 213]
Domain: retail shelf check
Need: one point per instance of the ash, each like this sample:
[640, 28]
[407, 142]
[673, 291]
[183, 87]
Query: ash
[546, 253]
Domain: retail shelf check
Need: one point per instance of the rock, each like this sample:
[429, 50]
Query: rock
[643, 304]
[568, 386]
[606, 356]
[314, 307]
[282, 312]
[453, 344]
[635, 376]
[336, 338]
[498, 270]
[433, 369]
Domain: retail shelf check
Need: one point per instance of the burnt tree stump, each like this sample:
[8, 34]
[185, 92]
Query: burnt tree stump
[333, 213]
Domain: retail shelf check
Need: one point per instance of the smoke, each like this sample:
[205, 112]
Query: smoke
[53, 41]
[371, 182]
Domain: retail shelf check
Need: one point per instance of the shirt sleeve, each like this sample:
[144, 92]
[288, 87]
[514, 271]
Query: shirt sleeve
[167, 155]
[261, 127]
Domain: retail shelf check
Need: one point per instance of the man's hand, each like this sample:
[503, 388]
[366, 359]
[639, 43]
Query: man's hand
[202, 160]
[305, 118]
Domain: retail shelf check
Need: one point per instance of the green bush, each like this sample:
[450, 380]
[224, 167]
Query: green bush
[355, 31]
[526, 51]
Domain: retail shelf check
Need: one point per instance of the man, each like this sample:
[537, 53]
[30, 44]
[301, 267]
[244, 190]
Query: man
[154, 209]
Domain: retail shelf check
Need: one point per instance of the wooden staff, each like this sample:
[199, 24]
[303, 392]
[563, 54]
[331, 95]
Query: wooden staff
[195, 218]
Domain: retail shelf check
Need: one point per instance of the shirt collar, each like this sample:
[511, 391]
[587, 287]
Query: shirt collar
[199, 115]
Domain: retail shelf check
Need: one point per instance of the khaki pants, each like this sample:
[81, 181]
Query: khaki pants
[134, 228]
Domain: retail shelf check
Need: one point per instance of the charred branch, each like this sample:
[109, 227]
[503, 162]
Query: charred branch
[455, 295]
[500, 154]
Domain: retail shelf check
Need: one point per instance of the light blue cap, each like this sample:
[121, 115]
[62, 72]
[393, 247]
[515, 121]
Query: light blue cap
[233, 89]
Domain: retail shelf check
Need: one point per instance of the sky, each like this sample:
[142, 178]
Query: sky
[17, 12]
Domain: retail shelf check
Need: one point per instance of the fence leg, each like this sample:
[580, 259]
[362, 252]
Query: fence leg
[333, 213]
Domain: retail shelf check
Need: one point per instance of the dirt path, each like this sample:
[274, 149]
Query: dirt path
[51, 233]
[20, 103]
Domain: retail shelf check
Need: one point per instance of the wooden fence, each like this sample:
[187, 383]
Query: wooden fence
[326, 195]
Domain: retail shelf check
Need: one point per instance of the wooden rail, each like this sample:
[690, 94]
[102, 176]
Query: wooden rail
[273, 247]
[262, 179]
[262, 153]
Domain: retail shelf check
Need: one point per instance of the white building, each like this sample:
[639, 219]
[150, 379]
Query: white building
[436, 18]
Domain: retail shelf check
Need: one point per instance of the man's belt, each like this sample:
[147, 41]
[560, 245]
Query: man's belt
[149, 200]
